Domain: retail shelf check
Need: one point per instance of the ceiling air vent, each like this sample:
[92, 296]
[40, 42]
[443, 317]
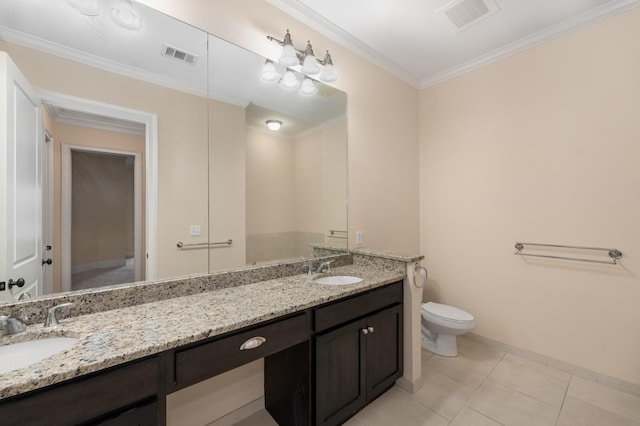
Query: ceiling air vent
[180, 55]
[461, 14]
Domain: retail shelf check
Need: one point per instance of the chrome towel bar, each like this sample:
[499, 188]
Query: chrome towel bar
[613, 253]
[221, 243]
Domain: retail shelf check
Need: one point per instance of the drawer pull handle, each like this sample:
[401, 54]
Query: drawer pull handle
[253, 343]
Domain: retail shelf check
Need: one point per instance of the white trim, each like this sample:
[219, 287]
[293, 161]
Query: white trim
[151, 160]
[313, 20]
[47, 211]
[111, 263]
[46, 46]
[66, 173]
[541, 37]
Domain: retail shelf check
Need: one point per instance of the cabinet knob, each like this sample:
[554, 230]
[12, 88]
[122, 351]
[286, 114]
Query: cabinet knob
[371, 329]
[365, 331]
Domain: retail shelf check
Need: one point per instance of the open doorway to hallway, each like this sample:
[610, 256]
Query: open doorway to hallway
[102, 218]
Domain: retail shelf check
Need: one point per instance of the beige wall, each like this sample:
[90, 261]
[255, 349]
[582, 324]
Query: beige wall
[226, 185]
[182, 145]
[540, 147]
[102, 210]
[296, 191]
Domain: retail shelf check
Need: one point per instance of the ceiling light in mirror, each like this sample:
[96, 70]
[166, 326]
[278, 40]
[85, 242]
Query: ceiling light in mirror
[270, 74]
[86, 7]
[274, 125]
[289, 81]
[124, 15]
[308, 88]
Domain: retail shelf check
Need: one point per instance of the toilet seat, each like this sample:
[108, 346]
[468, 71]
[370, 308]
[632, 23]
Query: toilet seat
[447, 313]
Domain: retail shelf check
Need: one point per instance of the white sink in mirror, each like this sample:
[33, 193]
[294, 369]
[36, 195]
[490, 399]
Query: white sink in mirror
[18, 355]
[338, 280]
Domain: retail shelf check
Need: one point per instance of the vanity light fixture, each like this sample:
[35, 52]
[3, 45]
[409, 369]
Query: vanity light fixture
[306, 59]
[274, 125]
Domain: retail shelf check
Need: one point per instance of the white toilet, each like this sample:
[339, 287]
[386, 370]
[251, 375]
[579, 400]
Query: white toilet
[440, 326]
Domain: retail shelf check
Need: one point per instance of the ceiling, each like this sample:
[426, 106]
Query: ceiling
[221, 70]
[408, 39]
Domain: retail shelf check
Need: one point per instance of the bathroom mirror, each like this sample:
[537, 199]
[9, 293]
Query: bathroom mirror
[290, 182]
[154, 74]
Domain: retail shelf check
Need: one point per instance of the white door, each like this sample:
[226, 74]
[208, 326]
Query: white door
[20, 184]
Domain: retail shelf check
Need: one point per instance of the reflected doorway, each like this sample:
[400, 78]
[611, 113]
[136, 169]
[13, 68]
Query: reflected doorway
[103, 230]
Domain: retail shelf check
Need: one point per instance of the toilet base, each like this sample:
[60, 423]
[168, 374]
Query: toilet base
[442, 344]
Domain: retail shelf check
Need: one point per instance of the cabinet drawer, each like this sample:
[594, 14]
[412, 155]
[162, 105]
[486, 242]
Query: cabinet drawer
[209, 359]
[357, 306]
[84, 399]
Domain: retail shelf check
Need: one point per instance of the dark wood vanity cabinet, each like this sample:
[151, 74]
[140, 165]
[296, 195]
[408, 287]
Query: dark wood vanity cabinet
[322, 365]
[359, 359]
[123, 395]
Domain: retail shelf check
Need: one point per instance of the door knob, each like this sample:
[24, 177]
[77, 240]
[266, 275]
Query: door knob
[48, 261]
[365, 331]
[371, 329]
[19, 283]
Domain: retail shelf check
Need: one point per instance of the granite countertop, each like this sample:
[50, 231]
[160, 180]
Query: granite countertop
[117, 336]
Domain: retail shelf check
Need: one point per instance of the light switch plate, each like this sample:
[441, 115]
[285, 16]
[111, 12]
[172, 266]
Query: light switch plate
[194, 230]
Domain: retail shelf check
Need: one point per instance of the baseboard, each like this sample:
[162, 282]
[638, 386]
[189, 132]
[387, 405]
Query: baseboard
[584, 373]
[411, 387]
[111, 263]
[240, 414]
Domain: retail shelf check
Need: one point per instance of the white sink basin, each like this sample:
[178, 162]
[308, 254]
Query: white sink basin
[338, 280]
[18, 355]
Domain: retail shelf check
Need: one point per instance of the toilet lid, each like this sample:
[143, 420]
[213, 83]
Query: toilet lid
[447, 312]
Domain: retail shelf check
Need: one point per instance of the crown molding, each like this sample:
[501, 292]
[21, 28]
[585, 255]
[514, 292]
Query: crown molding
[570, 25]
[308, 17]
[333, 32]
[88, 59]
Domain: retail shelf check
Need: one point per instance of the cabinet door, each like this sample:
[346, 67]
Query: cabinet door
[340, 374]
[383, 350]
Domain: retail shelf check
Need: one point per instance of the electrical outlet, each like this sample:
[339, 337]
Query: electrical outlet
[358, 237]
[194, 230]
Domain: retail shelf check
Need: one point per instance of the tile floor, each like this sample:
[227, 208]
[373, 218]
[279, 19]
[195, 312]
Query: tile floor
[485, 387]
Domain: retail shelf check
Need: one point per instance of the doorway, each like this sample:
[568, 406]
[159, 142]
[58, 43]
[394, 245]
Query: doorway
[102, 209]
[142, 161]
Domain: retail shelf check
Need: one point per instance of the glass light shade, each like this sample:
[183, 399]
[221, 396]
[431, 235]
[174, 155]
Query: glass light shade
[87, 7]
[288, 58]
[310, 65]
[124, 15]
[269, 73]
[308, 88]
[329, 73]
[289, 81]
[274, 125]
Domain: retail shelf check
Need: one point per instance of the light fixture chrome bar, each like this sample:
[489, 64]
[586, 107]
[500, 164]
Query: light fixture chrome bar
[613, 253]
[180, 244]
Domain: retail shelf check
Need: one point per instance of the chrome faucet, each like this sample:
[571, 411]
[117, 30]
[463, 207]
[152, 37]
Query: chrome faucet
[12, 325]
[52, 320]
[325, 267]
[308, 266]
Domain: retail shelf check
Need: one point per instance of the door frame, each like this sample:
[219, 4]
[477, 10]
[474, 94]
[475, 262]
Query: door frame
[150, 121]
[66, 204]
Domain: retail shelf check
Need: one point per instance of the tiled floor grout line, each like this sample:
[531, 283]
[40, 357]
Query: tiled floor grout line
[564, 399]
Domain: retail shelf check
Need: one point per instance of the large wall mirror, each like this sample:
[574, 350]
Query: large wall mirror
[154, 134]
